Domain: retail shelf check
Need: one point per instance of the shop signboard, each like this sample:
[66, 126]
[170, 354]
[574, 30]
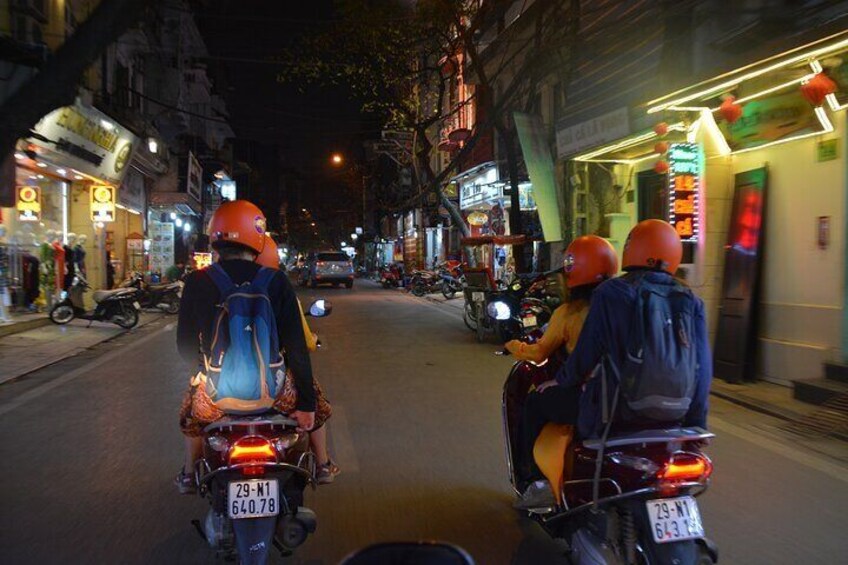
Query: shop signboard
[478, 218]
[767, 120]
[684, 189]
[85, 139]
[827, 150]
[102, 203]
[132, 193]
[228, 189]
[29, 203]
[591, 133]
[482, 189]
[194, 177]
[201, 260]
[540, 167]
[161, 246]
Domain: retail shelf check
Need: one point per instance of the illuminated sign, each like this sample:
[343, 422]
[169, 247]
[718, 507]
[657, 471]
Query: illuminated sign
[29, 203]
[478, 218]
[769, 120]
[202, 260]
[684, 187]
[102, 203]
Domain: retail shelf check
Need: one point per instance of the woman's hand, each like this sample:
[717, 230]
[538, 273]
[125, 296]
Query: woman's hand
[546, 385]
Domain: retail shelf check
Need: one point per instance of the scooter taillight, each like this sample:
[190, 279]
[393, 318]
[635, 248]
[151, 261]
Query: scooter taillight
[686, 467]
[252, 449]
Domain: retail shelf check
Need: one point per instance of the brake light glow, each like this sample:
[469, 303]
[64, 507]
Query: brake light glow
[686, 467]
[319, 264]
[252, 449]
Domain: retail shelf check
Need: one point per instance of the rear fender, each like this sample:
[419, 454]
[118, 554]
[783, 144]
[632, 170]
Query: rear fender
[254, 539]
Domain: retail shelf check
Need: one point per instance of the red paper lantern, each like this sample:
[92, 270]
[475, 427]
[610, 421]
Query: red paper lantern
[661, 167]
[817, 88]
[661, 129]
[661, 147]
[730, 110]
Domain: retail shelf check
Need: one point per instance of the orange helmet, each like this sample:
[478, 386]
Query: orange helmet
[589, 259]
[653, 244]
[238, 221]
[268, 257]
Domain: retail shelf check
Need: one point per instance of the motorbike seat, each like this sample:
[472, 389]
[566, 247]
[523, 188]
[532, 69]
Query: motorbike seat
[549, 452]
[101, 295]
[268, 418]
[665, 435]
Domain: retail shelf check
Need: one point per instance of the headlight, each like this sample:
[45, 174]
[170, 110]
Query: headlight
[499, 310]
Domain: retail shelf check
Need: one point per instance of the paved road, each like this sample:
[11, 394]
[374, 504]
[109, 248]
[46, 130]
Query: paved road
[89, 448]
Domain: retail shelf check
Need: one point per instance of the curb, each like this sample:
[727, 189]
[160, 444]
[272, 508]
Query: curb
[59, 359]
[18, 327]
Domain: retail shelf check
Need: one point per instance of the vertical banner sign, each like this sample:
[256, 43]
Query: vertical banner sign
[540, 166]
[29, 203]
[161, 246]
[684, 188]
[102, 203]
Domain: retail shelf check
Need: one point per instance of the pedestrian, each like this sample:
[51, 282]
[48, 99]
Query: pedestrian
[237, 232]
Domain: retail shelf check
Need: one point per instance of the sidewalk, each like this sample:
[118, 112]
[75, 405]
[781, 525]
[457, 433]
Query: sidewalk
[24, 322]
[28, 351]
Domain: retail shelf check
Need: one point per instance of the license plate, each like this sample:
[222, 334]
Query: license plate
[675, 519]
[255, 498]
[530, 322]
[137, 305]
[478, 297]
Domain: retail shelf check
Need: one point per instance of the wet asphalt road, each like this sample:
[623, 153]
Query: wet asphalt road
[90, 446]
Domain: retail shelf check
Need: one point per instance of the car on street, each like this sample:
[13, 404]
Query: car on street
[327, 267]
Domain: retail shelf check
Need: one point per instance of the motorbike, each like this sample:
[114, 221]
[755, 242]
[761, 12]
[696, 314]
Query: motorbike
[254, 470]
[165, 297]
[119, 306]
[510, 311]
[628, 498]
[453, 280]
[423, 282]
[390, 276]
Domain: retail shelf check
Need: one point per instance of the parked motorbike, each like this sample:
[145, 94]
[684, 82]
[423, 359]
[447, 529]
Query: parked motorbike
[253, 471]
[119, 306]
[390, 276]
[625, 499]
[165, 297]
[453, 280]
[510, 313]
[423, 282]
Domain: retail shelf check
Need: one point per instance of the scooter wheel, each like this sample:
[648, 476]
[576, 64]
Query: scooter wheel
[61, 314]
[127, 318]
[171, 305]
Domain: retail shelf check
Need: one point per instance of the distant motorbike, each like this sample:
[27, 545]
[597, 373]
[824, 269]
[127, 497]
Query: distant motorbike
[423, 282]
[119, 306]
[625, 499]
[165, 297]
[453, 281]
[511, 312]
[390, 276]
[253, 471]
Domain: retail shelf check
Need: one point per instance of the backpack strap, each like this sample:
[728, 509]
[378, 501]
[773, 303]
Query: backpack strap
[263, 279]
[221, 279]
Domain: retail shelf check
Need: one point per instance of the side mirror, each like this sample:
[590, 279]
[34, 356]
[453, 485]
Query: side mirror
[320, 308]
[410, 553]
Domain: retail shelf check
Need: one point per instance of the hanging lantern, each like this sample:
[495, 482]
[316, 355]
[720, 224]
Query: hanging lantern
[730, 110]
[817, 88]
[661, 129]
[661, 147]
[661, 167]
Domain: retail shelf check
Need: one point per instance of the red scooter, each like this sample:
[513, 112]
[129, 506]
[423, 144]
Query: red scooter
[391, 276]
[627, 498]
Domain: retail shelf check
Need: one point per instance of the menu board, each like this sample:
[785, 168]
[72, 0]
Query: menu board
[684, 187]
[161, 246]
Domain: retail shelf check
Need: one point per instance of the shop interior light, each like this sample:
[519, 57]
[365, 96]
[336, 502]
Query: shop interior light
[187, 227]
[19, 156]
[153, 145]
[40, 177]
[77, 177]
[42, 165]
[173, 215]
[178, 222]
[658, 104]
[62, 172]
[107, 125]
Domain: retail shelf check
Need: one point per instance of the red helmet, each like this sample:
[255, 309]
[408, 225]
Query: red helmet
[268, 257]
[238, 221]
[653, 244]
[589, 259]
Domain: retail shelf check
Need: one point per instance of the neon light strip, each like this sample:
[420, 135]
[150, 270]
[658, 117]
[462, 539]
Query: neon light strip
[672, 194]
[773, 89]
[624, 144]
[656, 106]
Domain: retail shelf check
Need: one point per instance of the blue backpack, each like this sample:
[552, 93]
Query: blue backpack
[658, 377]
[245, 354]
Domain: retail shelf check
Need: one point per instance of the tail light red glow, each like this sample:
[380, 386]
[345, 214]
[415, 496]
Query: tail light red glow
[686, 467]
[252, 450]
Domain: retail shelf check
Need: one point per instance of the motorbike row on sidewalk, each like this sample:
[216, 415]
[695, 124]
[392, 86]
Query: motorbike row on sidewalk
[121, 306]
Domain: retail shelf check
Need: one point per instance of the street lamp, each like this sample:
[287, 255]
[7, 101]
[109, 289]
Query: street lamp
[337, 159]
[354, 236]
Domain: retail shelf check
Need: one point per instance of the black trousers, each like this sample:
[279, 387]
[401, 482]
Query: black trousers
[556, 404]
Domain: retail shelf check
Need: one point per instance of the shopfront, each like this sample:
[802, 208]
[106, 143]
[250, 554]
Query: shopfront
[67, 175]
[750, 169]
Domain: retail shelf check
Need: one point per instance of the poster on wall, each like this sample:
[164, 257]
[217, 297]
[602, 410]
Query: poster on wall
[735, 337]
[161, 246]
[540, 166]
[102, 204]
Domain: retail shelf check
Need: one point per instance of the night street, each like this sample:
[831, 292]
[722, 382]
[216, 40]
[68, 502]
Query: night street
[91, 445]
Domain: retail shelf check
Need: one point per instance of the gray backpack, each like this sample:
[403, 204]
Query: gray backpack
[658, 377]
